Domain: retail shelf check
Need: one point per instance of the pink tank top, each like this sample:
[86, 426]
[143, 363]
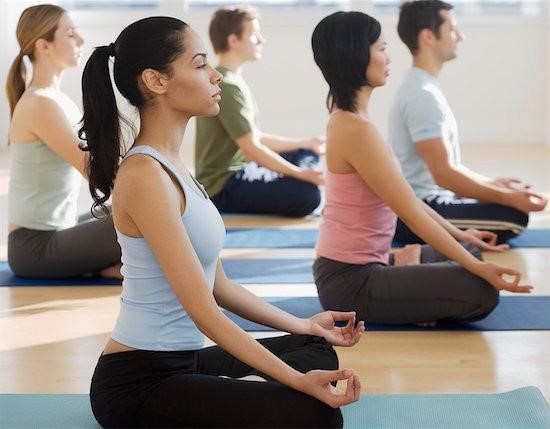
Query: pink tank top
[357, 226]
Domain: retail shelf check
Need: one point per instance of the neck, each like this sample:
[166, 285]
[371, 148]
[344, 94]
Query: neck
[428, 62]
[231, 61]
[362, 99]
[163, 130]
[45, 75]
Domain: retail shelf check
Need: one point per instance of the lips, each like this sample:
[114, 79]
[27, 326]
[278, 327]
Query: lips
[217, 96]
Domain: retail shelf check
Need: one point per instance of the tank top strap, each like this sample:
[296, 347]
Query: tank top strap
[153, 153]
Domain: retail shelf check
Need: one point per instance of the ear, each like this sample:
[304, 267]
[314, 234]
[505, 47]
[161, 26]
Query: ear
[41, 46]
[154, 81]
[231, 40]
[426, 37]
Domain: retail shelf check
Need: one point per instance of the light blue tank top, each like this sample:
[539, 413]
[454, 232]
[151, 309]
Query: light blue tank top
[43, 189]
[151, 316]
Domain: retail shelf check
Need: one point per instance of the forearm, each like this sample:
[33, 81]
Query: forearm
[226, 334]
[474, 175]
[444, 223]
[282, 144]
[237, 299]
[465, 186]
[269, 159]
[423, 225]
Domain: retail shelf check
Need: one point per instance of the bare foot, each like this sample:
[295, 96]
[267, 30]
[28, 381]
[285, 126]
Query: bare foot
[112, 272]
[408, 255]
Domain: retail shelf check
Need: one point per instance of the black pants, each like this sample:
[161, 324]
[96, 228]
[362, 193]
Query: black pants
[506, 222]
[256, 189]
[184, 389]
[436, 289]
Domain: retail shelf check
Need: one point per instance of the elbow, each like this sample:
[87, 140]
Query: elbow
[207, 321]
[443, 177]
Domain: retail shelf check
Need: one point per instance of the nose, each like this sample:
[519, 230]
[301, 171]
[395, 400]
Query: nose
[388, 59]
[80, 40]
[217, 77]
[461, 36]
[261, 39]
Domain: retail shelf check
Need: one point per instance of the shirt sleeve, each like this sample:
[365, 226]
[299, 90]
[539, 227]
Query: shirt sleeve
[236, 114]
[424, 117]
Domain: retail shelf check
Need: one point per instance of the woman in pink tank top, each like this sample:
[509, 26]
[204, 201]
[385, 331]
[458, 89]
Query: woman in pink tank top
[446, 280]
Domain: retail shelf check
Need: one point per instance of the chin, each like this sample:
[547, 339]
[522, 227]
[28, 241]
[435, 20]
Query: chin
[213, 111]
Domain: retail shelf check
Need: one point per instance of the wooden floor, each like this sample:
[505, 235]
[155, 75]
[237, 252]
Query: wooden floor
[51, 337]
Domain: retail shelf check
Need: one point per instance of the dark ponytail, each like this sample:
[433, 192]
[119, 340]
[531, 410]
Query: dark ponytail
[149, 43]
[341, 48]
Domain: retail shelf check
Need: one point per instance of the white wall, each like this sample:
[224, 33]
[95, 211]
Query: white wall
[498, 87]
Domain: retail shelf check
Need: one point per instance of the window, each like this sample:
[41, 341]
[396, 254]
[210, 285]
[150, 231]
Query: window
[476, 7]
[305, 3]
[108, 4]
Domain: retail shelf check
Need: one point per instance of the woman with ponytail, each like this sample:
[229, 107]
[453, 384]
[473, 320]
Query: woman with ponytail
[45, 239]
[154, 371]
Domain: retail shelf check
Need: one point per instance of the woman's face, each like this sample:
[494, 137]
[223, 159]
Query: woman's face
[193, 87]
[378, 69]
[66, 49]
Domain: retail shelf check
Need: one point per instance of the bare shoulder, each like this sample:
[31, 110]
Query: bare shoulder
[140, 177]
[39, 105]
[350, 130]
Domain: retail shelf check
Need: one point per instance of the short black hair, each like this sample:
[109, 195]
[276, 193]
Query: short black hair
[341, 48]
[415, 16]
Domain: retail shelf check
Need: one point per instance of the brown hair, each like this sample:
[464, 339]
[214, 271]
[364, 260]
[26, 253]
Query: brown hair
[36, 22]
[227, 21]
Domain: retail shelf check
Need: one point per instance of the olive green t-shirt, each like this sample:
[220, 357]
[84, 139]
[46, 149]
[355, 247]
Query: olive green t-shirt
[217, 156]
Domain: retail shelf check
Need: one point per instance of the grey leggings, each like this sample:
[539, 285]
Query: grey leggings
[88, 247]
[434, 290]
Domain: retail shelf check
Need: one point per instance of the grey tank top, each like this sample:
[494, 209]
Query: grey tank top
[43, 189]
[151, 316]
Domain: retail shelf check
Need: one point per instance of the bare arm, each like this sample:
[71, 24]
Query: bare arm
[253, 149]
[459, 180]
[51, 126]
[233, 297]
[156, 199]
[371, 158]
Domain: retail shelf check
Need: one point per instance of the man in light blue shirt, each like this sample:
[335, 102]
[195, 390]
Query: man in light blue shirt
[424, 136]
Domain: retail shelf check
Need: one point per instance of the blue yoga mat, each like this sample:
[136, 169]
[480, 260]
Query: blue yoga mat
[278, 238]
[246, 271]
[511, 314]
[7, 278]
[520, 408]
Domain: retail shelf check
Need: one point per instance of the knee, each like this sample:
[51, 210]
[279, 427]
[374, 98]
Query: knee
[325, 355]
[474, 250]
[310, 199]
[332, 419]
[488, 300]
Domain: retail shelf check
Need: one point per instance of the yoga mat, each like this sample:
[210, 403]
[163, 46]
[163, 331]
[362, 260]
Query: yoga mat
[520, 408]
[7, 278]
[278, 238]
[273, 271]
[511, 314]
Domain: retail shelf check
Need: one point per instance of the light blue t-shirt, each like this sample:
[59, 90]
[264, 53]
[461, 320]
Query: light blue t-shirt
[420, 112]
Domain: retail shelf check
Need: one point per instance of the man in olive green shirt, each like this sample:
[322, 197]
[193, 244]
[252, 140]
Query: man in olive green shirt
[243, 169]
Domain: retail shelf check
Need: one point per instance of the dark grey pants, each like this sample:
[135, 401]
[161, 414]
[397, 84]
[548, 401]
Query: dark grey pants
[88, 247]
[434, 290]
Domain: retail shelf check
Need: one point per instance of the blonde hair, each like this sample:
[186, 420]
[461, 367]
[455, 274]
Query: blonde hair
[36, 22]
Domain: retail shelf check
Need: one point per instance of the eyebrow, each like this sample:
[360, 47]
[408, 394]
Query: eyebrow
[198, 55]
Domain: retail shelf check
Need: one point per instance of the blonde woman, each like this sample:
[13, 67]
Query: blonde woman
[45, 239]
